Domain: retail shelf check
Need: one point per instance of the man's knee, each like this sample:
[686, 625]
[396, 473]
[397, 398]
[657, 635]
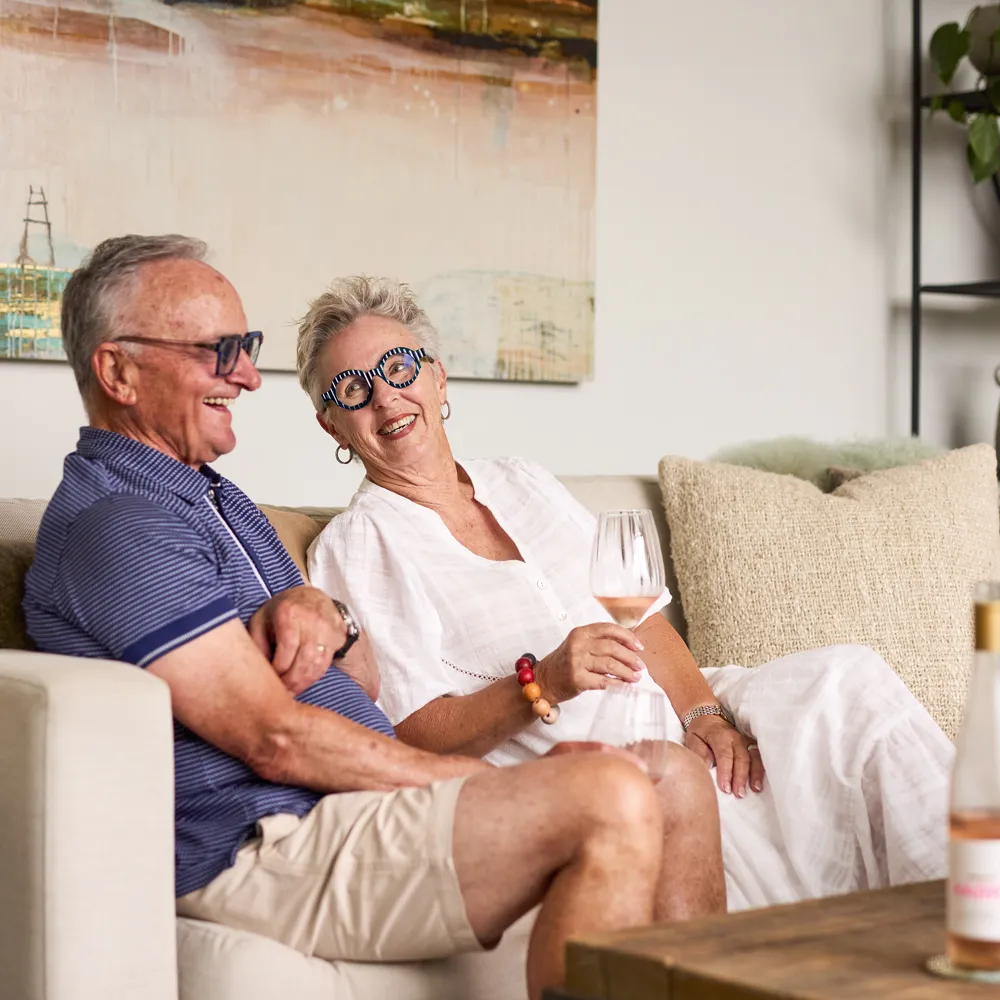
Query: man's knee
[610, 789]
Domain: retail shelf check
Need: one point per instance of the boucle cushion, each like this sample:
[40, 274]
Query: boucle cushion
[768, 565]
[19, 520]
[15, 558]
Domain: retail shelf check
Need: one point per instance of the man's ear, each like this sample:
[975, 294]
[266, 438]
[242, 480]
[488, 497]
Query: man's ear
[324, 423]
[115, 373]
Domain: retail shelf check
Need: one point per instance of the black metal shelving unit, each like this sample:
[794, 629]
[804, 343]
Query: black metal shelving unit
[975, 100]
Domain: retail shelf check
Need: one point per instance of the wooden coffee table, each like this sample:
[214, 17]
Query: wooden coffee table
[856, 947]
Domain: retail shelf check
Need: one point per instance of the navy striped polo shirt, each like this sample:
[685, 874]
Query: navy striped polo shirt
[138, 554]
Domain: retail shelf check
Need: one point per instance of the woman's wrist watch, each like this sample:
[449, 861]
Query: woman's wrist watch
[700, 710]
[353, 629]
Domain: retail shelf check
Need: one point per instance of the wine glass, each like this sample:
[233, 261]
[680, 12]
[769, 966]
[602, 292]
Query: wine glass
[636, 719]
[626, 565]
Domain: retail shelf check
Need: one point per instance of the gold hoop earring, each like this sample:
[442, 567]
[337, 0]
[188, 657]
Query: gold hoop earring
[446, 410]
[350, 455]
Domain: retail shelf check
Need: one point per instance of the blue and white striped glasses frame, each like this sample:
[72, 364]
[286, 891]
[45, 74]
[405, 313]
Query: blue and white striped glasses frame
[352, 389]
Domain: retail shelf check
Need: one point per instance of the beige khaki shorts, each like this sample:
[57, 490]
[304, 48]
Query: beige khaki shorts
[365, 876]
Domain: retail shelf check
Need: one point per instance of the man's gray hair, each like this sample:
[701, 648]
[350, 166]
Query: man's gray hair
[93, 294]
[346, 300]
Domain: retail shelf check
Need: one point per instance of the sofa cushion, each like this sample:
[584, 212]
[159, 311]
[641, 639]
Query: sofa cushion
[19, 520]
[840, 474]
[226, 964]
[15, 558]
[296, 528]
[769, 565]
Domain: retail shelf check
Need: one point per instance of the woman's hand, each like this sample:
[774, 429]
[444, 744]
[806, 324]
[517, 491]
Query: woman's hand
[735, 756]
[591, 657]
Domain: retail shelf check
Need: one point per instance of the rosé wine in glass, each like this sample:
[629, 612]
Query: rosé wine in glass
[626, 566]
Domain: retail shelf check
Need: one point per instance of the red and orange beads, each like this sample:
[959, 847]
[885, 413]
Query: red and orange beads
[532, 692]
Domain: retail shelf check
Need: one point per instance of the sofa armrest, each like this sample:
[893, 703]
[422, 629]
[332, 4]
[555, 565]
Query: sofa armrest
[86, 831]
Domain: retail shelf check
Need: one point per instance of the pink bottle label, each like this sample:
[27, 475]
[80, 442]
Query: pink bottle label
[974, 889]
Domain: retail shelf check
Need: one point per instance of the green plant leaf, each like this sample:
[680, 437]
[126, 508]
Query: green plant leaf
[984, 137]
[982, 169]
[956, 112]
[949, 46]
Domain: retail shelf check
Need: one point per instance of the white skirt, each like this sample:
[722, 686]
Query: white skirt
[856, 793]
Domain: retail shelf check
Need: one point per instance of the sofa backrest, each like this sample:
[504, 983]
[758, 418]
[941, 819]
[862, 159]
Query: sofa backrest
[296, 527]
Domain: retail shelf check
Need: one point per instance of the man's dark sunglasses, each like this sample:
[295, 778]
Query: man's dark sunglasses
[227, 349]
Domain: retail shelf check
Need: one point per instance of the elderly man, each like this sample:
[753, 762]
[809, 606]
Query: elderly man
[298, 816]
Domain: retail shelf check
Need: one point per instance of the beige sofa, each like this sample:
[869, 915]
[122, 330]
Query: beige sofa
[86, 833]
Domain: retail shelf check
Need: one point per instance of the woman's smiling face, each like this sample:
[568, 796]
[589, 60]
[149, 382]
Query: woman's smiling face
[399, 426]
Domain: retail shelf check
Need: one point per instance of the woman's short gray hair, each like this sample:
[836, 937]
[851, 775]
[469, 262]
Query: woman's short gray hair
[346, 300]
[94, 291]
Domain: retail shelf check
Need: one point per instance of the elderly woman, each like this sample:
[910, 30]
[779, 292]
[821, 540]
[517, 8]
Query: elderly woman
[455, 570]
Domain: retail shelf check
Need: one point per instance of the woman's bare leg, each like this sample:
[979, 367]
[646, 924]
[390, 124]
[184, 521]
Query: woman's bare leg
[692, 882]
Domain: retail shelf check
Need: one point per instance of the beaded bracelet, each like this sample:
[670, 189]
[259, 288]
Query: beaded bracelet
[532, 692]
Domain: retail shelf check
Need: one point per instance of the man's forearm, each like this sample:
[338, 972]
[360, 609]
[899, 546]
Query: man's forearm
[242, 708]
[326, 752]
[672, 666]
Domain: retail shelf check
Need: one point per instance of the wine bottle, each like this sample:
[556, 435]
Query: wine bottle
[973, 901]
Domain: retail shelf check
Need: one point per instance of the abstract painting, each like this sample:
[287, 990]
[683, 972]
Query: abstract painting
[446, 143]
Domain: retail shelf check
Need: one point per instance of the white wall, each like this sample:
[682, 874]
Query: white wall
[742, 282]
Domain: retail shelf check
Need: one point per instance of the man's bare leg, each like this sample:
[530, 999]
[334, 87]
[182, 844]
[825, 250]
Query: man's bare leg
[582, 834]
[692, 881]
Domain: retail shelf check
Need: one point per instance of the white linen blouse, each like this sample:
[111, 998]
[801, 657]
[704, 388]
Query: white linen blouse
[445, 621]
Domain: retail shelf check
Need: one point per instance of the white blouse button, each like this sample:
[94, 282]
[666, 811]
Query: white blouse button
[541, 584]
[562, 616]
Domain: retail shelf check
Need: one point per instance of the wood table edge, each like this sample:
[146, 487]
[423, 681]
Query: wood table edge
[596, 964]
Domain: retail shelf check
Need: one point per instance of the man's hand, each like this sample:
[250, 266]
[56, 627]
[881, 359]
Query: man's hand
[298, 631]
[735, 756]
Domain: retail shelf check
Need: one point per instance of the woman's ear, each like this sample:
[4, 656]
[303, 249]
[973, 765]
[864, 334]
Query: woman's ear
[328, 427]
[441, 380]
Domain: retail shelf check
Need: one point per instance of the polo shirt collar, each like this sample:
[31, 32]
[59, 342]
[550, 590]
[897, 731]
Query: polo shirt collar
[126, 453]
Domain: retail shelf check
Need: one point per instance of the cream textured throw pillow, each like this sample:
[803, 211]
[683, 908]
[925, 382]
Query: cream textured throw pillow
[768, 565]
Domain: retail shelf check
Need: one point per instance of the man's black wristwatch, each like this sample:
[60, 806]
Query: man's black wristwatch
[353, 630]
